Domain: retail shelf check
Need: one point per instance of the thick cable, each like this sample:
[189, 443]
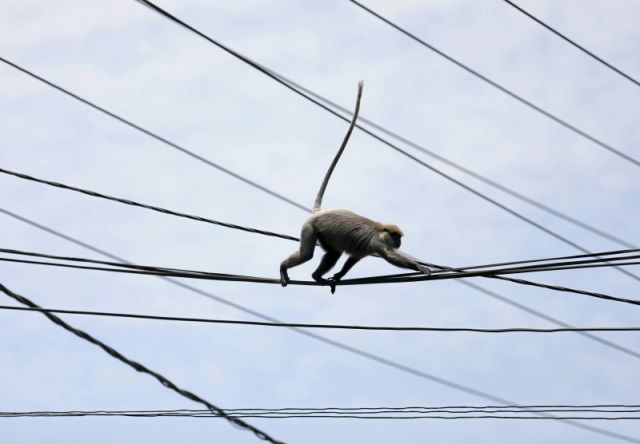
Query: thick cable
[403, 278]
[572, 42]
[498, 86]
[319, 326]
[137, 366]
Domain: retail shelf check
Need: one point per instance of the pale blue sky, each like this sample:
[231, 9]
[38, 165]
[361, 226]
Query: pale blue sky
[134, 62]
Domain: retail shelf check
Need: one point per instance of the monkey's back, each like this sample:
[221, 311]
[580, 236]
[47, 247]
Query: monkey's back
[346, 231]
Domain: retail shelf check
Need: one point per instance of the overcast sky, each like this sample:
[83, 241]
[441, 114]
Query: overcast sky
[134, 62]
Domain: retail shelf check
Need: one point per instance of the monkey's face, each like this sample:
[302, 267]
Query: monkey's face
[392, 238]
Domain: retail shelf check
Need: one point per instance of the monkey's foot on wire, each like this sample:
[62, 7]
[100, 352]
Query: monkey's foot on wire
[332, 283]
[284, 277]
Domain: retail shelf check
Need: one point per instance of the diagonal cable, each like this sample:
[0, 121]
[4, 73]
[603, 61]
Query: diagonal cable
[572, 42]
[486, 180]
[138, 367]
[157, 137]
[498, 86]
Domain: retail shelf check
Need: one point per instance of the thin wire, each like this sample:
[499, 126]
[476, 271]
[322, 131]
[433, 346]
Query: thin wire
[138, 367]
[404, 415]
[167, 272]
[321, 326]
[275, 77]
[363, 353]
[474, 174]
[572, 42]
[158, 137]
[147, 206]
[496, 85]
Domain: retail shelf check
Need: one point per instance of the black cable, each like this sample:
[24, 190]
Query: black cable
[137, 366]
[573, 43]
[457, 166]
[384, 279]
[363, 353]
[207, 414]
[158, 137]
[452, 272]
[498, 86]
[290, 87]
[494, 274]
[147, 206]
[321, 326]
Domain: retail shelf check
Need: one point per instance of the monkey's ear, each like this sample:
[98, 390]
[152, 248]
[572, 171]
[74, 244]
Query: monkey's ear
[385, 229]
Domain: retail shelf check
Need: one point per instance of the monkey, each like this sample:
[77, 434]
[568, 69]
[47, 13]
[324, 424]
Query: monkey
[342, 231]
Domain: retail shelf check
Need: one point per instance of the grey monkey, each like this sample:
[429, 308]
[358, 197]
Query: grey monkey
[342, 231]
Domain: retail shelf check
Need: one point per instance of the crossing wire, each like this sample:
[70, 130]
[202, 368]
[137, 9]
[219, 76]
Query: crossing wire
[290, 87]
[138, 367]
[498, 86]
[492, 183]
[572, 42]
[363, 353]
[320, 326]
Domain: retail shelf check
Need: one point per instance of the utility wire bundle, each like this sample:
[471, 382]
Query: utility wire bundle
[592, 260]
[605, 412]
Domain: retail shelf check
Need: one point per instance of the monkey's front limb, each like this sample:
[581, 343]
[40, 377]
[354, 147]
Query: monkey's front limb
[351, 261]
[396, 258]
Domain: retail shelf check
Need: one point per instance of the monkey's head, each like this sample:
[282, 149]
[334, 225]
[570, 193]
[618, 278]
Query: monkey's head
[391, 235]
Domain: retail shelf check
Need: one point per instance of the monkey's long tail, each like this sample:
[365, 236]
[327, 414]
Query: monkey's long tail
[318, 202]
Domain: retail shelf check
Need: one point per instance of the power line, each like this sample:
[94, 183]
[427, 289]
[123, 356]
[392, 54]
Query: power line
[363, 353]
[157, 137]
[321, 326]
[391, 413]
[608, 258]
[271, 74]
[474, 174]
[147, 206]
[498, 86]
[572, 42]
[385, 279]
[138, 367]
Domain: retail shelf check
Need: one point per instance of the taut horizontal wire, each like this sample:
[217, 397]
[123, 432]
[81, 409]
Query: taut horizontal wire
[393, 414]
[410, 277]
[320, 326]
